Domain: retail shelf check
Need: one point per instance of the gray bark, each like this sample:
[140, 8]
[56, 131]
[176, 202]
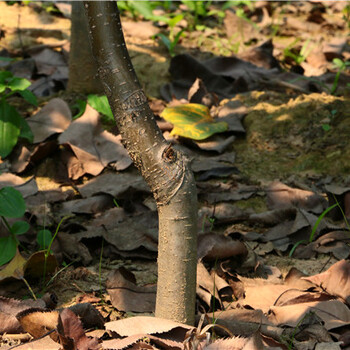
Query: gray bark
[165, 169]
[83, 76]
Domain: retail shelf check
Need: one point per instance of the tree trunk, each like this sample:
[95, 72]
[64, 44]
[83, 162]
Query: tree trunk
[165, 169]
[83, 75]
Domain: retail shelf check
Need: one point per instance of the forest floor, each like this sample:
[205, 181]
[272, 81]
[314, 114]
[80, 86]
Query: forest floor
[262, 185]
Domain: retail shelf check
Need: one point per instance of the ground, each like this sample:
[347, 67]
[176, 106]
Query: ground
[291, 135]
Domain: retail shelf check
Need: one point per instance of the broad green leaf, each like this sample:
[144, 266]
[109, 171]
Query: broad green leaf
[20, 227]
[18, 84]
[10, 124]
[29, 97]
[8, 247]
[44, 238]
[193, 121]
[100, 104]
[4, 76]
[12, 204]
[26, 132]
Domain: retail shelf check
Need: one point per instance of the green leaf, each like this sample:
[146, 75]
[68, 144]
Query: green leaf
[44, 238]
[20, 227]
[193, 121]
[295, 246]
[8, 247]
[18, 84]
[26, 132]
[165, 40]
[326, 127]
[12, 204]
[318, 221]
[6, 59]
[4, 76]
[29, 97]
[338, 63]
[100, 104]
[80, 105]
[173, 21]
[10, 124]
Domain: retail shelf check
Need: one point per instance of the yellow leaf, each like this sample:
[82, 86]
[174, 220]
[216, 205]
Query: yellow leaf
[193, 121]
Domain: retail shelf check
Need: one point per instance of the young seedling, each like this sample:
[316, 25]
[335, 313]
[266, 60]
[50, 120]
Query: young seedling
[172, 39]
[45, 240]
[341, 66]
[298, 57]
[317, 223]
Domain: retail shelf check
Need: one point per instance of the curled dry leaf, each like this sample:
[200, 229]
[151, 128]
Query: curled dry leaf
[9, 308]
[335, 281]
[38, 322]
[71, 332]
[206, 288]
[281, 196]
[333, 313]
[212, 246]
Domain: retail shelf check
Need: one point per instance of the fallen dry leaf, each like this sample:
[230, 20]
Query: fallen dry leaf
[114, 184]
[127, 296]
[281, 196]
[55, 117]
[94, 147]
[14, 269]
[71, 333]
[38, 322]
[27, 188]
[45, 343]
[148, 325]
[9, 308]
[333, 313]
[335, 281]
[212, 247]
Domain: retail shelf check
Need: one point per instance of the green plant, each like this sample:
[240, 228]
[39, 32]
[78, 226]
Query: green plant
[12, 205]
[198, 8]
[45, 240]
[326, 126]
[12, 124]
[298, 57]
[346, 15]
[341, 66]
[171, 40]
[317, 223]
[143, 8]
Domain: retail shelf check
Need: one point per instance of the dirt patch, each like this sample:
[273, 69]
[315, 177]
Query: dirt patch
[303, 135]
